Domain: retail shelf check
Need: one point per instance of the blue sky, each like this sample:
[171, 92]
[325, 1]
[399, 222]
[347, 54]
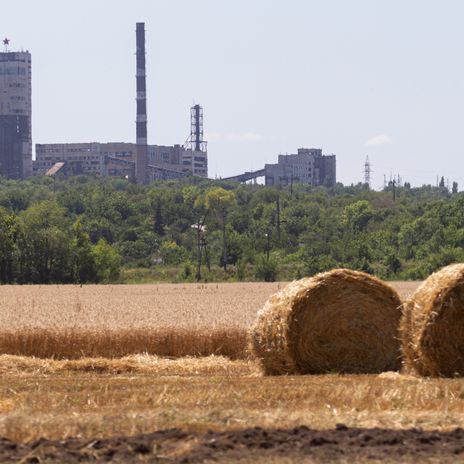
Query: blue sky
[383, 78]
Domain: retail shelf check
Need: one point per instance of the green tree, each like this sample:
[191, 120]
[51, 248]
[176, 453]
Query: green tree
[266, 268]
[158, 225]
[85, 268]
[172, 253]
[196, 201]
[157, 201]
[107, 260]
[8, 248]
[45, 251]
[219, 201]
[357, 215]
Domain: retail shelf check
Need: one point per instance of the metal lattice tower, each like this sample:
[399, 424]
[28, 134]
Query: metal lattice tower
[367, 172]
[196, 141]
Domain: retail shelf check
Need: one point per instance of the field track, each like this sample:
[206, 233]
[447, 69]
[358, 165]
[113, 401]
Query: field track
[250, 445]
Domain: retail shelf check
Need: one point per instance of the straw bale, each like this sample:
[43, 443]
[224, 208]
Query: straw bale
[432, 325]
[338, 321]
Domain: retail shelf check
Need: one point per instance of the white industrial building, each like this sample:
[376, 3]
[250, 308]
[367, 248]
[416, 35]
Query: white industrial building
[307, 166]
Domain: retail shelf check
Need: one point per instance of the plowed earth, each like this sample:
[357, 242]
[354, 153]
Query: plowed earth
[251, 445]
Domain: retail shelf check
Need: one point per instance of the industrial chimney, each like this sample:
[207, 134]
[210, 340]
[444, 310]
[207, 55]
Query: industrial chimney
[141, 163]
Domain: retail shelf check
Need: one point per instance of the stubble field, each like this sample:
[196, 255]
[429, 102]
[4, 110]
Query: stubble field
[98, 362]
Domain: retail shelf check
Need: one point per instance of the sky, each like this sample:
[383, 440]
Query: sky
[377, 78]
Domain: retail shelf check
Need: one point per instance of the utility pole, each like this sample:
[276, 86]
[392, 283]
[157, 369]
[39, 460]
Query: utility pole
[201, 246]
[205, 248]
[268, 244]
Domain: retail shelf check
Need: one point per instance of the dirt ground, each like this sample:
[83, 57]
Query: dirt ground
[298, 444]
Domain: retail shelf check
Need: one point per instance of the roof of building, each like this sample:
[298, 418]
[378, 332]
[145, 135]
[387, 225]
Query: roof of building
[55, 169]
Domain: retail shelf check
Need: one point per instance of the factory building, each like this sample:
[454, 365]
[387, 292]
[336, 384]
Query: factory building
[307, 166]
[179, 157]
[79, 158]
[118, 159]
[15, 114]
[140, 161]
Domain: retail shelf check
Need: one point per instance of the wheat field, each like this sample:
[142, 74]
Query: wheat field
[90, 362]
[112, 321]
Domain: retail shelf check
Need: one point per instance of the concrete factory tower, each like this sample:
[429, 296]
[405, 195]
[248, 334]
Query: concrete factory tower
[141, 164]
[15, 114]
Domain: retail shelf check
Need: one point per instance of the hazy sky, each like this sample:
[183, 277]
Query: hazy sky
[383, 78]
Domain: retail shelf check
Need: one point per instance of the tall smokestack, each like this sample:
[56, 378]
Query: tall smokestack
[141, 162]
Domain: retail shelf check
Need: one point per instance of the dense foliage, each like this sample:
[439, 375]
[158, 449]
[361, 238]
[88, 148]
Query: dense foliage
[85, 229]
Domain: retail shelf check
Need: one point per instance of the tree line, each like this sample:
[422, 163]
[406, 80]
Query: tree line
[42, 245]
[86, 229]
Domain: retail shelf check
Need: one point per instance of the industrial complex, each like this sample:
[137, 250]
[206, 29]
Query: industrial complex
[121, 159]
[140, 161]
[308, 166]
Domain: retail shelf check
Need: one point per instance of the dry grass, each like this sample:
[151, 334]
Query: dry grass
[58, 399]
[66, 321]
[136, 364]
[167, 342]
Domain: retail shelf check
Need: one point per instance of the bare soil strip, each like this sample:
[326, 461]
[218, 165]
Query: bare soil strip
[296, 444]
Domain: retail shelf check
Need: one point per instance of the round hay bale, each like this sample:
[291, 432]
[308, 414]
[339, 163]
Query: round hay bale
[432, 326]
[338, 321]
